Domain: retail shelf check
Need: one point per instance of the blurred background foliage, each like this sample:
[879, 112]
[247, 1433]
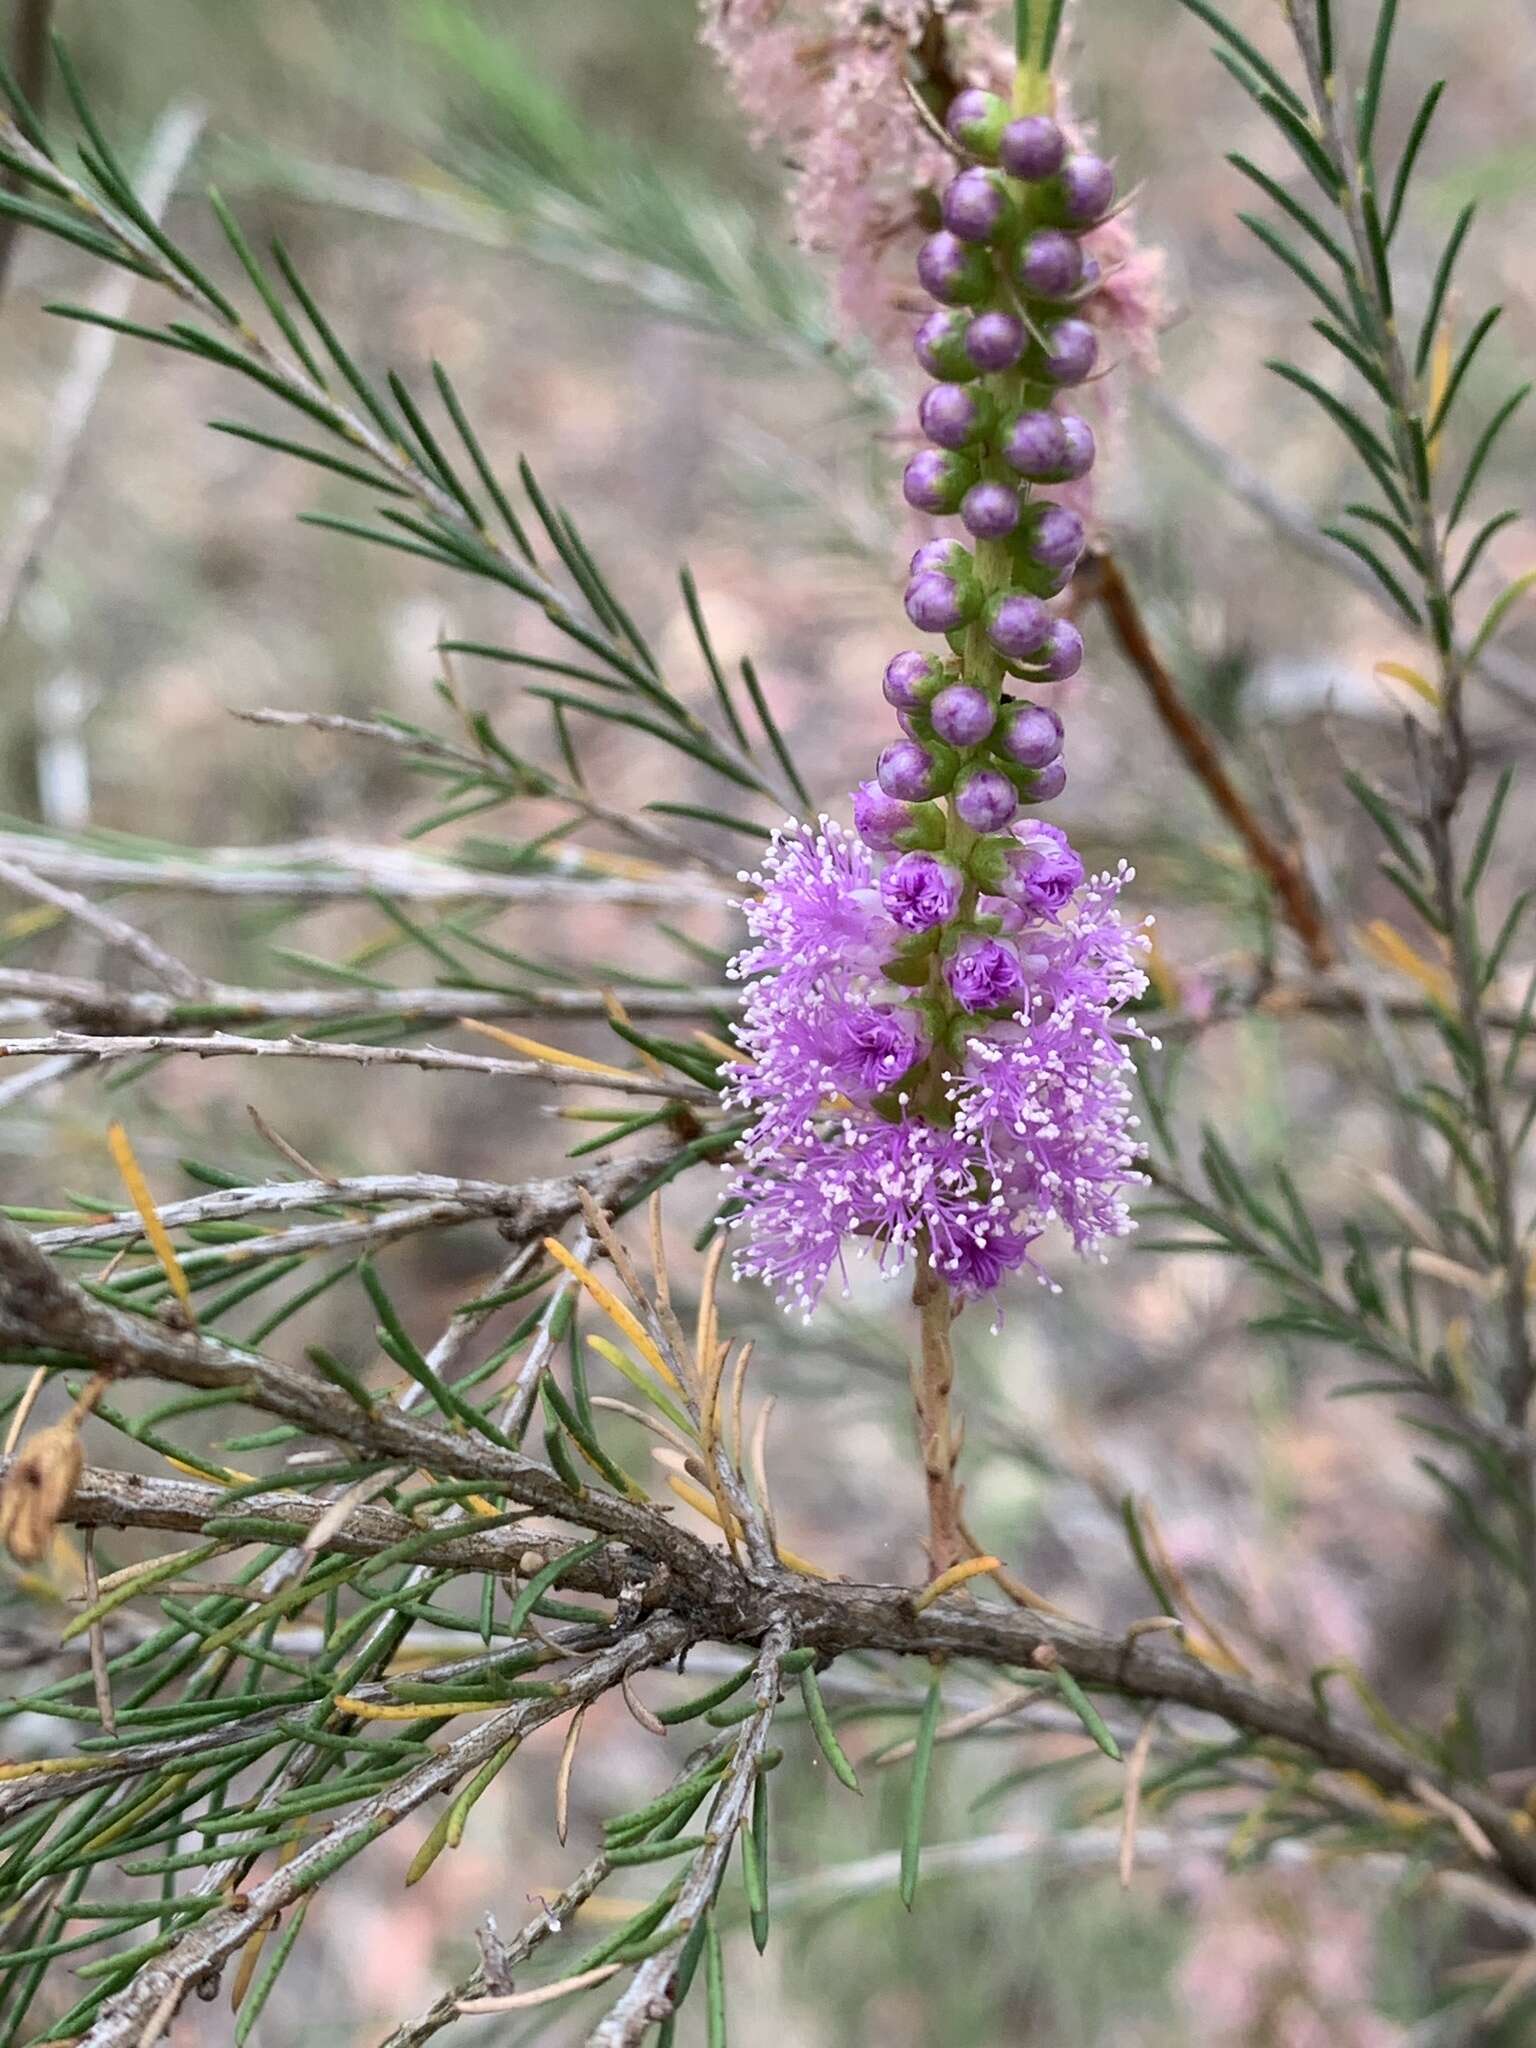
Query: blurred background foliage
[558, 202]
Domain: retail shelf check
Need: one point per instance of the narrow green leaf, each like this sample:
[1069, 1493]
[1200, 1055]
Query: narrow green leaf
[821, 1727]
[317, 456]
[1463, 363]
[1440, 287]
[1389, 583]
[1384, 523]
[1410, 156]
[1499, 610]
[711, 660]
[1484, 449]
[483, 470]
[1356, 357]
[1297, 264]
[1256, 62]
[1376, 71]
[1489, 531]
[543, 1580]
[714, 1984]
[1306, 221]
[775, 737]
[1370, 448]
[253, 270]
[917, 1795]
[1372, 801]
[362, 390]
[1487, 833]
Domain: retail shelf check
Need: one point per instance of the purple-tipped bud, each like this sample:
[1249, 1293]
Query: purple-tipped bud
[1085, 189]
[877, 818]
[984, 799]
[1062, 654]
[1029, 735]
[976, 206]
[996, 341]
[914, 772]
[962, 715]
[977, 120]
[1081, 449]
[940, 604]
[1050, 264]
[935, 480]
[911, 680]
[1033, 148]
[940, 346]
[1017, 624]
[942, 558]
[954, 415]
[920, 891]
[984, 973]
[1042, 870]
[1070, 352]
[1036, 445]
[1047, 783]
[1052, 535]
[990, 510]
[954, 272]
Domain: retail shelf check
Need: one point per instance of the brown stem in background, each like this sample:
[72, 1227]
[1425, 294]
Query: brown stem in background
[29, 67]
[937, 1439]
[1103, 579]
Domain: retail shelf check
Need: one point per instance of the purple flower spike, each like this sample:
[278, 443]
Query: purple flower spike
[911, 679]
[1043, 873]
[990, 510]
[1036, 445]
[985, 799]
[1050, 264]
[935, 480]
[939, 604]
[996, 341]
[1033, 148]
[920, 891]
[954, 272]
[1053, 535]
[1085, 189]
[1080, 449]
[1048, 782]
[953, 415]
[984, 974]
[1017, 624]
[1071, 350]
[940, 346]
[976, 120]
[942, 558]
[912, 772]
[1028, 734]
[877, 818]
[962, 715]
[975, 205]
[1062, 654]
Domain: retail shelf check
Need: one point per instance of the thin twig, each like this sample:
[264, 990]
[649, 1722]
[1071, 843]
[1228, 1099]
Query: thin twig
[1281, 868]
[116, 931]
[430, 1058]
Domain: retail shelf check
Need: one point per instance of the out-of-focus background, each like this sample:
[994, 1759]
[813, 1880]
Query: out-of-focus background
[410, 152]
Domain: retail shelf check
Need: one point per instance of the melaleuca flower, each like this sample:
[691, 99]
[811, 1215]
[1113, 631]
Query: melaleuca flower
[1028, 1117]
[935, 1046]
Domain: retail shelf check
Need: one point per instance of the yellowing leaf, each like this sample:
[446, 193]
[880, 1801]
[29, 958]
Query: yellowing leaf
[159, 1237]
[697, 1498]
[1387, 945]
[1400, 672]
[551, 1055]
[615, 1310]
